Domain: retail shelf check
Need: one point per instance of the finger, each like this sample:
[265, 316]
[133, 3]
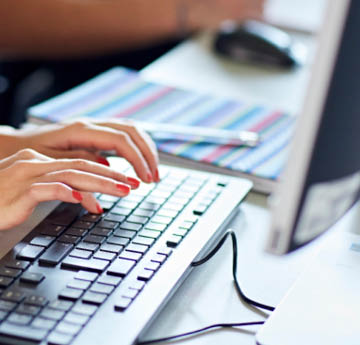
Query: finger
[87, 182]
[38, 169]
[90, 203]
[142, 140]
[23, 155]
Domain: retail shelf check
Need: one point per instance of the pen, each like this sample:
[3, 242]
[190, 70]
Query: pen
[166, 131]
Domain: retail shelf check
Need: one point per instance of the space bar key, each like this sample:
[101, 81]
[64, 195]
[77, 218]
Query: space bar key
[33, 335]
[94, 265]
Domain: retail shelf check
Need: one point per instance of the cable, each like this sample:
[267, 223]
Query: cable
[238, 289]
[200, 330]
[234, 268]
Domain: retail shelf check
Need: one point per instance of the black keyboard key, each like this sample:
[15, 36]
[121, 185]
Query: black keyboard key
[21, 332]
[92, 218]
[32, 277]
[58, 338]
[64, 214]
[5, 282]
[120, 267]
[43, 240]
[36, 300]
[94, 239]
[55, 253]
[76, 232]
[64, 238]
[93, 265]
[107, 224]
[13, 296]
[101, 231]
[30, 252]
[70, 294]
[83, 224]
[18, 264]
[9, 272]
[79, 284]
[94, 298]
[50, 229]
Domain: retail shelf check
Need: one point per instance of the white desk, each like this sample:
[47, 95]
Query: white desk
[208, 295]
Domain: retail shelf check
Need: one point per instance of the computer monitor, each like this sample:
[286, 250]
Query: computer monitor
[322, 178]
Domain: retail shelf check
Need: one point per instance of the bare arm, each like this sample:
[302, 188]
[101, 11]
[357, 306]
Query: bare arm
[68, 28]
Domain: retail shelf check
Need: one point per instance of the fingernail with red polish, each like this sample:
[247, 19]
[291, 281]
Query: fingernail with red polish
[77, 195]
[149, 177]
[157, 177]
[103, 160]
[123, 188]
[99, 208]
[133, 182]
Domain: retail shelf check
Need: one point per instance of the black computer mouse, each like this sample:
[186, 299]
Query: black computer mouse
[256, 42]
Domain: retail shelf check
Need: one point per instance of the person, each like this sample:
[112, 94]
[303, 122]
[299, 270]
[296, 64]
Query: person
[49, 46]
[63, 162]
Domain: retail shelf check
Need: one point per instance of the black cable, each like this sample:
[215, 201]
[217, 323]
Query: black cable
[238, 289]
[234, 269]
[200, 330]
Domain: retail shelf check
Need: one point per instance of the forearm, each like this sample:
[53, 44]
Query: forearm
[60, 28]
[9, 143]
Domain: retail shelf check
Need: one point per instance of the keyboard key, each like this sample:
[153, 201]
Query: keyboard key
[127, 204]
[43, 241]
[52, 314]
[120, 267]
[70, 294]
[18, 264]
[137, 219]
[68, 328]
[7, 305]
[111, 248]
[76, 318]
[125, 233]
[122, 303]
[5, 282]
[186, 225]
[76, 232]
[145, 274]
[130, 256]
[28, 309]
[165, 251]
[61, 305]
[13, 296]
[180, 232]
[92, 218]
[146, 241]
[9, 272]
[30, 252]
[131, 226]
[94, 239]
[143, 213]
[40, 322]
[121, 241]
[88, 246]
[104, 256]
[155, 226]
[82, 224]
[101, 231]
[129, 293]
[107, 224]
[102, 288]
[106, 205]
[94, 298]
[35, 335]
[162, 220]
[150, 233]
[152, 265]
[109, 280]
[20, 319]
[106, 197]
[149, 206]
[64, 214]
[94, 265]
[50, 229]
[173, 206]
[121, 211]
[57, 338]
[64, 238]
[167, 213]
[88, 276]
[36, 300]
[137, 248]
[32, 277]
[79, 253]
[136, 284]
[199, 210]
[173, 241]
[112, 217]
[84, 309]
[79, 284]
[55, 253]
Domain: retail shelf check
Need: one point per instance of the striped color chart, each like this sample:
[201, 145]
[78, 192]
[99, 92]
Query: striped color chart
[120, 93]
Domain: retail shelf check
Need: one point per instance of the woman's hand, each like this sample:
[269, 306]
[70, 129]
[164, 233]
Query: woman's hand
[84, 139]
[28, 178]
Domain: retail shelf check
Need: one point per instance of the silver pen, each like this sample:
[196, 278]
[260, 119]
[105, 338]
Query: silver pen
[166, 131]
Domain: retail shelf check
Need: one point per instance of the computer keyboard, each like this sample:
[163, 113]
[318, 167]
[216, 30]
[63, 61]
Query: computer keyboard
[80, 278]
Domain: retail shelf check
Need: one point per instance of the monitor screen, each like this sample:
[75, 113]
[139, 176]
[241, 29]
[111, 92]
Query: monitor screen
[322, 178]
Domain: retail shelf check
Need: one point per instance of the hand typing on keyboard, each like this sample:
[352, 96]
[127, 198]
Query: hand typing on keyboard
[70, 170]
